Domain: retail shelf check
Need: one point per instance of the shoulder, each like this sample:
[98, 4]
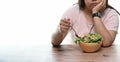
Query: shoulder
[110, 11]
[74, 8]
[110, 14]
[111, 19]
[71, 12]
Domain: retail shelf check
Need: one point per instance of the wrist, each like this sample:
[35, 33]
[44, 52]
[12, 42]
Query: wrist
[96, 14]
[94, 11]
[96, 20]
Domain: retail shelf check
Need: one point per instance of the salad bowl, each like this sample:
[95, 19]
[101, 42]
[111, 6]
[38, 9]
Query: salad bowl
[90, 42]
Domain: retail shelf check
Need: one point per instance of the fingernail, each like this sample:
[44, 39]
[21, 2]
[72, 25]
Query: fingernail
[69, 19]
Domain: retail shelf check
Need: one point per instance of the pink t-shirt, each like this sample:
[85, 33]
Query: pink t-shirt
[81, 26]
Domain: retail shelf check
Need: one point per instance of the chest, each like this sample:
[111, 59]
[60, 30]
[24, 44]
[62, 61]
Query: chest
[83, 25]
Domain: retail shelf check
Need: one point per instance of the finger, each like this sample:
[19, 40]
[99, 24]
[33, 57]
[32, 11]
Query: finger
[101, 3]
[67, 21]
[65, 24]
[64, 29]
[104, 3]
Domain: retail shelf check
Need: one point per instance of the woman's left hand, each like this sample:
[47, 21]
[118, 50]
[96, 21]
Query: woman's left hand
[100, 7]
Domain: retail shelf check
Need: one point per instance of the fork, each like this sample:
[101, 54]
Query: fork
[91, 29]
[75, 32]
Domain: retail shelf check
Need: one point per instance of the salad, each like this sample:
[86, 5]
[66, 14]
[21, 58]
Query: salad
[89, 38]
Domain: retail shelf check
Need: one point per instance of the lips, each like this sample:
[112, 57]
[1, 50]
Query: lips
[94, 4]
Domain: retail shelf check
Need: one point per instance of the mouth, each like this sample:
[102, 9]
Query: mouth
[94, 4]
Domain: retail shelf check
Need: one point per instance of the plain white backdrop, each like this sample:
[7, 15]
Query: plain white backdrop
[27, 22]
[25, 25]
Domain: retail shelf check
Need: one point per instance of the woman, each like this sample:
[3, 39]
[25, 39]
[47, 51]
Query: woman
[86, 14]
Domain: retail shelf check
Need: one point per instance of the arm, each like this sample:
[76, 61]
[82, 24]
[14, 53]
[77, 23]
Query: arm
[108, 35]
[61, 33]
[57, 38]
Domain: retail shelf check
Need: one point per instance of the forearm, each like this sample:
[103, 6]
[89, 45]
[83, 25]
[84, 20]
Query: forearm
[58, 37]
[101, 29]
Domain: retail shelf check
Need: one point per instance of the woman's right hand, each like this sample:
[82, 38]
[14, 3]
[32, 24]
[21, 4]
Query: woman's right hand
[64, 25]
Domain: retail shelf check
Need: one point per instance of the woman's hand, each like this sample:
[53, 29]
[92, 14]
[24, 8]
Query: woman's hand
[100, 7]
[64, 25]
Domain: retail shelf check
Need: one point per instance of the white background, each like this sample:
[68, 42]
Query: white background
[25, 25]
[26, 22]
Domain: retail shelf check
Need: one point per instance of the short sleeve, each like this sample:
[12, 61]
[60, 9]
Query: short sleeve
[71, 13]
[68, 13]
[112, 20]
